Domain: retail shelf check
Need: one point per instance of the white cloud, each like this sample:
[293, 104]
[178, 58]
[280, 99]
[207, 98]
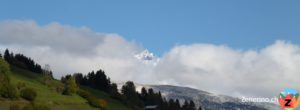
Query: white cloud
[214, 68]
[229, 71]
[68, 49]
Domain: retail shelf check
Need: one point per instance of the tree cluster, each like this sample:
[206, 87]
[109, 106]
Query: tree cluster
[137, 100]
[97, 80]
[21, 61]
[128, 94]
[149, 97]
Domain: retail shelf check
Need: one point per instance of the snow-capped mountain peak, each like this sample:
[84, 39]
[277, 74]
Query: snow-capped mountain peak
[147, 57]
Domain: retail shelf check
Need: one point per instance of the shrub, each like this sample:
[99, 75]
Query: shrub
[7, 90]
[83, 93]
[21, 85]
[70, 86]
[14, 107]
[92, 100]
[28, 94]
[59, 89]
[103, 104]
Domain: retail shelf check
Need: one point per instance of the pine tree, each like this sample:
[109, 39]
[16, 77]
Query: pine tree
[114, 93]
[131, 96]
[200, 108]
[192, 105]
[91, 79]
[177, 104]
[159, 100]
[7, 56]
[79, 78]
[172, 105]
[185, 105]
[144, 96]
[151, 97]
[165, 105]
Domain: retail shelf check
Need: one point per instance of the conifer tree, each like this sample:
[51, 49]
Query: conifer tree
[192, 105]
[185, 105]
[114, 93]
[131, 96]
[200, 108]
[7, 56]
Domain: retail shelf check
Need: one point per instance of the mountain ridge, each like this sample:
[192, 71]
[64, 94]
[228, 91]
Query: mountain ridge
[209, 101]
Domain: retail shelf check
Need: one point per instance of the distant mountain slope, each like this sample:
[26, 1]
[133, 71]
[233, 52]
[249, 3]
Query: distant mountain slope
[208, 100]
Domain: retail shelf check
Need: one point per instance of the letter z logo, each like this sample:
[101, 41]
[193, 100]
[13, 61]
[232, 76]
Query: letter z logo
[288, 102]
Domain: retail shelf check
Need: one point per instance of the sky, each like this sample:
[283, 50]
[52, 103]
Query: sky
[159, 25]
[236, 48]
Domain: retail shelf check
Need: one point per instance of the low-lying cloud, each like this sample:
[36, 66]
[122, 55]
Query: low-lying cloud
[218, 68]
[215, 68]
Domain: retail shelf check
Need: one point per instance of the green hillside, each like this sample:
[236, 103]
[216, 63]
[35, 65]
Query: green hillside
[48, 96]
[112, 105]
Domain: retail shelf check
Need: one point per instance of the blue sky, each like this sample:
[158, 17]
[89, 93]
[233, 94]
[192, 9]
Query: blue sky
[160, 25]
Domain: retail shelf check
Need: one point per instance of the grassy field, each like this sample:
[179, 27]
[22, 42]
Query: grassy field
[51, 98]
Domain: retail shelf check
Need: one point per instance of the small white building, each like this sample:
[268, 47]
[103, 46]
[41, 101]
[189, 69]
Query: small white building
[152, 107]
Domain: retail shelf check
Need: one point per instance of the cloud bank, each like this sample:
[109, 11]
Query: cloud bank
[215, 68]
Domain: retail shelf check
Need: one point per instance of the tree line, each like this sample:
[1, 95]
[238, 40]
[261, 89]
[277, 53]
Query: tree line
[128, 94]
[21, 61]
[147, 97]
